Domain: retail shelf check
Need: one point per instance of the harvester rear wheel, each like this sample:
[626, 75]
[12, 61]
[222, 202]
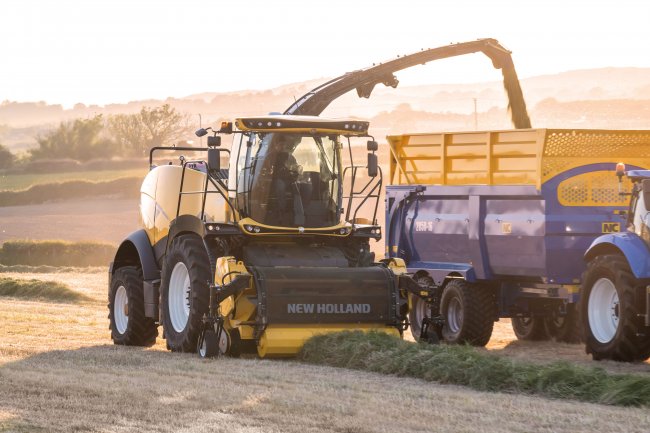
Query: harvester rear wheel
[611, 311]
[129, 326]
[529, 328]
[184, 292]
[469, 311]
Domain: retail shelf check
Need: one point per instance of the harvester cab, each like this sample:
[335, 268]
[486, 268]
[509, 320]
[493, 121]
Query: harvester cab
[258, 257]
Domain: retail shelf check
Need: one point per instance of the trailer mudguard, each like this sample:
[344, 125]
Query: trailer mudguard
[629, 244]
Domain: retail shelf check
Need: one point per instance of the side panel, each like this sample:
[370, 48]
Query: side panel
[473, 231]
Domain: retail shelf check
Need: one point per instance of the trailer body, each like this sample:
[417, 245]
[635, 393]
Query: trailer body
[515, 210]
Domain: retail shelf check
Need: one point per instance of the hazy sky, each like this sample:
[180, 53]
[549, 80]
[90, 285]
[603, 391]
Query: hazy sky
[103, 51]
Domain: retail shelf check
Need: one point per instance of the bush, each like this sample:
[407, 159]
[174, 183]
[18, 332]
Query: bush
[56, 253]
[465, 365]
[6, 157]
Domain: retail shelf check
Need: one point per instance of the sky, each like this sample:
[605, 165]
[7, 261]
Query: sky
[115, 51]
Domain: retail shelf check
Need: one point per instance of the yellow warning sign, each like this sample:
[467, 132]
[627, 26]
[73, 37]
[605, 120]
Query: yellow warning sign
[610, 227]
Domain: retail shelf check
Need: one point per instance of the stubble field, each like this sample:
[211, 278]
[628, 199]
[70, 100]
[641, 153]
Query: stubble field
[60, 372]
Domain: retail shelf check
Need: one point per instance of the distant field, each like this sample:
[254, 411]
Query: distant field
[15, 182]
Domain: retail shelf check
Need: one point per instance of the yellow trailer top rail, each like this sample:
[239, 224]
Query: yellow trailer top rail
[511, 157]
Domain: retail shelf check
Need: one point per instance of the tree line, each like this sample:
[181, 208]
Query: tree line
[129, 135]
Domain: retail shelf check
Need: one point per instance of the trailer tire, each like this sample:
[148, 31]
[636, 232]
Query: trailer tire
[565, 329]
[529, 328]
[128, 323]
[184, 292]
[469, 311]
[419, 309]
[608, 284]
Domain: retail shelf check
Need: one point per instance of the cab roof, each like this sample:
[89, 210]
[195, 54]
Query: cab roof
[309, 124]
[636, 175]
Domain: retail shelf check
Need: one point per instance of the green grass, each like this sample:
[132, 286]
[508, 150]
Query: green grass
[39, 290]
[467, 366]
[56, 253]
[125, 187]
[18, 182]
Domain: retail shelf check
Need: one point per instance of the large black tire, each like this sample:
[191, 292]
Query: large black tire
[419, 309]
[565, 329]
[469, 311]
[190, 251]
[631, 339]
[134, 328]
[529, 328]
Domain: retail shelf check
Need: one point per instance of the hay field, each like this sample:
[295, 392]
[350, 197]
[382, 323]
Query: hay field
[60, 372]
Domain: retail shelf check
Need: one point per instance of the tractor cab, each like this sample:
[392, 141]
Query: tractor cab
[639, 211]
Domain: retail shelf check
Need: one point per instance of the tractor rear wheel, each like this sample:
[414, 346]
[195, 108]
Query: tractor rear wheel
[611, 311]
[129, 326]
[529, 328]
[469, 311]
[184, 292]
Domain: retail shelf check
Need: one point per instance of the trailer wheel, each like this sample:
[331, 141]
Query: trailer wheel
[565, 329]
[611, 310]
[529, 328]
[184, 292]
[469, 311]
[129, 326]
[419, 309]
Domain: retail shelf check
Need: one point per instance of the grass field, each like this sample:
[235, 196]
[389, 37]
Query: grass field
[60, 372]
[16, 182]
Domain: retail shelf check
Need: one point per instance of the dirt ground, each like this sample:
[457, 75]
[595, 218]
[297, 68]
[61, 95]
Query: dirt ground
[60, 372]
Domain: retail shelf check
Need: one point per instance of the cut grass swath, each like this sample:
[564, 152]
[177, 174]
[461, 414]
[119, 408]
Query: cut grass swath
[39, 290]
[467, 366]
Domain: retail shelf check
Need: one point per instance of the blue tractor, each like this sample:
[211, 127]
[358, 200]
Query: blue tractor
[615, 293]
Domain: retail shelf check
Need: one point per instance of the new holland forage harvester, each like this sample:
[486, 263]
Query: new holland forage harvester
[261, 256]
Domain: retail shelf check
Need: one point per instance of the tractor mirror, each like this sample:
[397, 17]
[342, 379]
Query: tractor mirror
[372, 146]
[214, 159]
[646, 193]
[214, 141]
[201, 132]
[372, 165]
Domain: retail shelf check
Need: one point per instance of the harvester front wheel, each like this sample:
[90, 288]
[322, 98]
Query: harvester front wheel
[129, 326]
[611, 301]
[184, 294]
[469, 311]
